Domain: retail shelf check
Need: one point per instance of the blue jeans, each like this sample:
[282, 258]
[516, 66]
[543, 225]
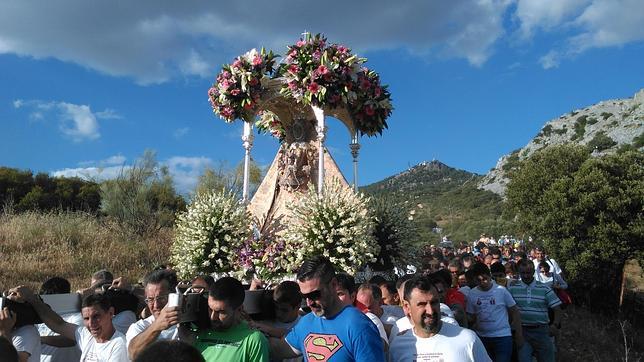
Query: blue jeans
[537, 340]
[498, 348]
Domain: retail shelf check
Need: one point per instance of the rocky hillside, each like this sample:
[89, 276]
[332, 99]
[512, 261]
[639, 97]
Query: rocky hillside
[443, 201]
[604, 127]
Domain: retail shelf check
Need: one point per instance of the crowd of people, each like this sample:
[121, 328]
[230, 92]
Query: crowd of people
[487, 302]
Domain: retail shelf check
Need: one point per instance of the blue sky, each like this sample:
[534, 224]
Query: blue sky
[86, 87]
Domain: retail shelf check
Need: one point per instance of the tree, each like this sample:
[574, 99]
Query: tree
[223, 177]
[589, 214]
[142, 197]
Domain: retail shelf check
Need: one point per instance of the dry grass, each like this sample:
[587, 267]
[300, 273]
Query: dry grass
[36, 246]
[591, 337]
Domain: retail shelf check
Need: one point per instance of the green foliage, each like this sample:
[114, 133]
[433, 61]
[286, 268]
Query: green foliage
[561, 131]
[395, 234]
[606, 115]
[440, 196]
[587, 211]
[546, 130]
[601, 142]
[580, 127]
[639, 141]
[22, 191]
[142, 198]
[512, 161]
[591, 121]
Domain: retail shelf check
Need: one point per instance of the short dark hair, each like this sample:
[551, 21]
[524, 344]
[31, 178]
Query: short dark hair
[7, 350]
[497, 268]
[55, 285]
[229, 290]
[316, 267]
[479, 269]
[391, 287]
[288, 292]
[376, 293]
[169, 350]
[99, 299]
[403, 279]
[544, 264]
[377, 280]
[103, 275]
[346, 281]
[162, 275]
[444, 276]
[525, 263]
[420, 282]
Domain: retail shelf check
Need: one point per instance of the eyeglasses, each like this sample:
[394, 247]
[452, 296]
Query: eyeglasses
[314, 295]
[161, 299]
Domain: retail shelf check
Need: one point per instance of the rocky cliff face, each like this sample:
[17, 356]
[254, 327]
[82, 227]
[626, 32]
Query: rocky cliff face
[604, 127]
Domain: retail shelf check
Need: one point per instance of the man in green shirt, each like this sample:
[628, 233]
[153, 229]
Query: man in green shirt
[229, 338]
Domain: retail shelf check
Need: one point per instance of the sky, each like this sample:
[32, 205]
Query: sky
[87, 86]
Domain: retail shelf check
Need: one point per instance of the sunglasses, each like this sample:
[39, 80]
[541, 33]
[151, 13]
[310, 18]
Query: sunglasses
[314, 295]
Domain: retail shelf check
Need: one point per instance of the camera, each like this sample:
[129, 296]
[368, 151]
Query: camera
[25, 313]
[193, 307]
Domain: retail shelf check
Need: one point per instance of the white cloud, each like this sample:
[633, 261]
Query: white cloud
[154, 41]
[550, 60]
[91, 173]
[180, 132]
[585, 24]
[76, 121]
[185, 171]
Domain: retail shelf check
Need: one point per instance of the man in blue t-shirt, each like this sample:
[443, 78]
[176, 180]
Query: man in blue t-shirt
[332, 331]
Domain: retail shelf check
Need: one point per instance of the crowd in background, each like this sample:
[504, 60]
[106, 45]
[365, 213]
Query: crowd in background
[487, 301]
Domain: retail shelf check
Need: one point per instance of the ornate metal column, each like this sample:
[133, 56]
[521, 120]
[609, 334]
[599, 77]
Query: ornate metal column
[247, 142]
[321, 130]
[355, 147]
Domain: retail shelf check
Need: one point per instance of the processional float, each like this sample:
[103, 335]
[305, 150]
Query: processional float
[291, 102]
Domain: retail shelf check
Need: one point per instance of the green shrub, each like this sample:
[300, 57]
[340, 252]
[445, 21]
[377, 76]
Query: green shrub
[601, 142]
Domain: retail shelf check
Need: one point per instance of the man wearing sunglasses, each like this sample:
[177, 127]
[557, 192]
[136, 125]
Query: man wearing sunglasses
[162, 324]
[332, 331]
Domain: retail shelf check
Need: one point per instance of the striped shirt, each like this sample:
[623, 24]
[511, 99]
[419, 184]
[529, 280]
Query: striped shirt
[533, 301]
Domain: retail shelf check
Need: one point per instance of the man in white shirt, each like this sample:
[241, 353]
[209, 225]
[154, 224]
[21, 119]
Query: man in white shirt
[162, 324]
[430, 339]
[539, 256]
[98, 340]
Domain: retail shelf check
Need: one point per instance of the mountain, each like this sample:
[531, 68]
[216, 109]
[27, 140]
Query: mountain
[604, 127]
[443, 201]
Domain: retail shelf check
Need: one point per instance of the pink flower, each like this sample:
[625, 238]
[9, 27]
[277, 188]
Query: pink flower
[300, 43]
[293, 69]
[314, 87]
[237, 63]
[212, 92]
[226, 74]
[253, 81]
[365, 84]
[369, 111]
[342, 49]
[377, 91]
[235, 92]
[317, 54]
[257, 60]
[225, 84]
[227, 112]
[322, 70]
[249, 105]
[292, 85]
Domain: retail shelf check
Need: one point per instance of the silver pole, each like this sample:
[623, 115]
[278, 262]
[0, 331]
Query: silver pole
[247, 142]
[355, 147]
[321, 130]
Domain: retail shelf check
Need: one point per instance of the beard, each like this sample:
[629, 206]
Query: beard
[317, 309]
[429, 323]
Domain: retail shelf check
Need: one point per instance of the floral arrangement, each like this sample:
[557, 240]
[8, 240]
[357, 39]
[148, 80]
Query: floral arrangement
[395, 234]
[239, 85]
[262, 255]
[372, 104]
[209, 234]
[336, 224]
[268, 122]
[317, 73]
